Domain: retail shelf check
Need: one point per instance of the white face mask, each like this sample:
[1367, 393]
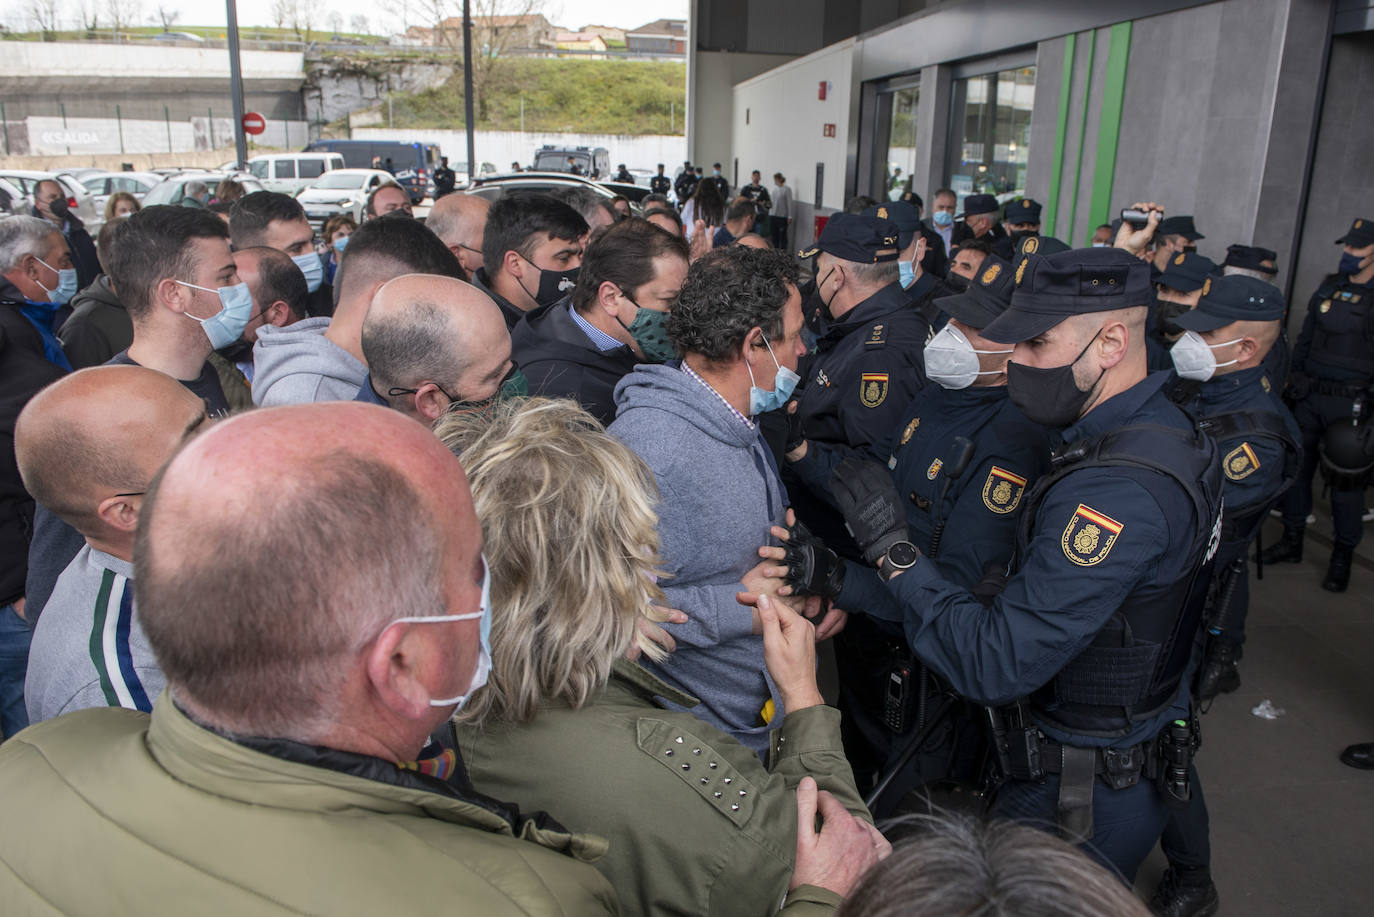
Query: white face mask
[479, 678]
[951, 360]
[1193, 357]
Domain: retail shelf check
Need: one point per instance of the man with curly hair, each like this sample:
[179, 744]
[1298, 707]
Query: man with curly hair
[738, 324]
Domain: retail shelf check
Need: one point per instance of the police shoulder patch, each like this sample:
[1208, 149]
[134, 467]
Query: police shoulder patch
[910, 429]
[1002, 490]
[1089, 536]
[873, 389]
[1241, 462]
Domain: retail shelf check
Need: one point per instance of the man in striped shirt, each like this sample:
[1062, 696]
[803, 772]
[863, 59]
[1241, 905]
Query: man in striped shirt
[87, 447]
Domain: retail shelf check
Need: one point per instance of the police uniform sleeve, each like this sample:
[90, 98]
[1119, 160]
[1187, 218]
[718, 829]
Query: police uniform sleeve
[1096, 538]
[881, 389]
[980, 529]
[1253, 470]
[816, 467]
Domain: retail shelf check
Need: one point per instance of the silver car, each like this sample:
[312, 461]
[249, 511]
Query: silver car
[102, 184]
[79, 200]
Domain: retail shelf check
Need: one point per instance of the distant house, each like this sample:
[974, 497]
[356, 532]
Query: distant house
[580, 41]
[614, 38]
[503, 32]
[662, 36]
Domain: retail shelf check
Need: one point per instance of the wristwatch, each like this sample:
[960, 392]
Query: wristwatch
[901, 556]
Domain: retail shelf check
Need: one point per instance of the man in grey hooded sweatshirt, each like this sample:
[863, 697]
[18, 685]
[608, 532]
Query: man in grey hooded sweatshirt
[737, 324]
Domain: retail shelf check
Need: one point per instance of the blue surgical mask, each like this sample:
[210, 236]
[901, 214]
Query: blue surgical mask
[785, 381]
[479, 678]
[906, 272]
[943, 218]
[341, 243]
[66, 283]
[1350, 264]
[235, 311]
[313, 269]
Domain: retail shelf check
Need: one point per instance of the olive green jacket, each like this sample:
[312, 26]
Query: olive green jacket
[111, 812]
[697, 824]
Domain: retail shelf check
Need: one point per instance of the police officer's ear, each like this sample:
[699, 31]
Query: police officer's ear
[1113, 342]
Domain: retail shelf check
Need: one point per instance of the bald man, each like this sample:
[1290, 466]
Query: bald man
[292, 738]
[433, 343]
[87, 447]
[459, 220]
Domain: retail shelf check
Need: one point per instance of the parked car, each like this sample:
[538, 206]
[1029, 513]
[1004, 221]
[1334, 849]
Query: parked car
[12, 201]
[341, 191]
[79, 174]
[179, 36]
[102, 184]
[594, 162]
[411, 165]
[497, 186]
[79, 200]
[290, 172]
[173, 188]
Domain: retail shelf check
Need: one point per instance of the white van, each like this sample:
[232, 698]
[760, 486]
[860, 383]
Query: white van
[290, 172]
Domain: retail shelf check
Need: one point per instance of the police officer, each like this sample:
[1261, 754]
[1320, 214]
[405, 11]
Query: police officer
[1220, 361]
[1095, 625]
[660, 183]
[444, 179]
[936, 259]
[1178, 289]
[1175, 234]
[980, 222]
[964, 456]
[922, 287]
[1021, 219]
[686, 185]
[1332, 369]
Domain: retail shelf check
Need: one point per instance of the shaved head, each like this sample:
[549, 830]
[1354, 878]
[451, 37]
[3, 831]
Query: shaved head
[100, 432]
[275, 551]
[438, 331]
[459, 221]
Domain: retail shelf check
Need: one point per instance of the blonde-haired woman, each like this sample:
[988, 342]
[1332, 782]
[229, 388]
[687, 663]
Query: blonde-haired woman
[121, 204]
[566, 723]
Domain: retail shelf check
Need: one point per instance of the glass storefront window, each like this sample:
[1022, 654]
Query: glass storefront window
[901, 143]
[990, 134]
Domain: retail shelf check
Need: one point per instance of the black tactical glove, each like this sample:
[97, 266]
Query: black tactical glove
[795, 436]
[812, 568]
[864, 492]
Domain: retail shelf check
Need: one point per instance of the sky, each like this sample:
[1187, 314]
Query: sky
[568, 13]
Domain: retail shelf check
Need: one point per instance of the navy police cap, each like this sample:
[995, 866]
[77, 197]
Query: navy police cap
[1179, 226]
[906, 217]
[1361, 234]
[1079, 281]
[1233, 299]
[979, 203]
[853, 237]
[1187, 271]
[1023, 211]
[987, 296]
[1251, 258]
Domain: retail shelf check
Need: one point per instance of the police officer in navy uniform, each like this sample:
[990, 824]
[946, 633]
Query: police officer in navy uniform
[936, 259]
[1332, 369]
[1177, 290]
[1224, 385]
[921, 286]
[1096, 625]
[1021, 219]
[962, 501]
[660, 183]
[979, 221]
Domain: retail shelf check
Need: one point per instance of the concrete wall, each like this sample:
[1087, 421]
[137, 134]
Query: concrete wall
[40, 136]
[778, 127]
[711, 79]
[38, 60]
[501, 148]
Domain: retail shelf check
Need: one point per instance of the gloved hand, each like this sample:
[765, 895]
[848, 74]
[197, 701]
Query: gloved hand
[872, 509]
[795, 436]
[812, 568]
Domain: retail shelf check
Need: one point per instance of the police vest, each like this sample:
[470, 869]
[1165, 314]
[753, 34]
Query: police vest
[1133, 668]
[1342, 335]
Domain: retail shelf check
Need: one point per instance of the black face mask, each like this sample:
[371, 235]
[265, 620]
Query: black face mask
[957, 282]
[1166, 312]
[822, 295]
[1049, 397]
[553, 285]
[1017, 235]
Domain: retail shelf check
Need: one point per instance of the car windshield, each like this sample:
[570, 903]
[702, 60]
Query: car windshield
[558, 162]
[339, 182]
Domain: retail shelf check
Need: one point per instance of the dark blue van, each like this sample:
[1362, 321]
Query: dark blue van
[413, 164]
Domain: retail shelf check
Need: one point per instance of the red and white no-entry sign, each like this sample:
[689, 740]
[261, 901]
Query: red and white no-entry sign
[254, 123]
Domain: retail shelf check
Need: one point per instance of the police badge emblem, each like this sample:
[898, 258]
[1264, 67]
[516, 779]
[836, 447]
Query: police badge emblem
[1002, 490]
[1241, 462]
[1089, 536]
[873, 389]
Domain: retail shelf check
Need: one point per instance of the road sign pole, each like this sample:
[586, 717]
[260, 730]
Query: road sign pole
[236, 82]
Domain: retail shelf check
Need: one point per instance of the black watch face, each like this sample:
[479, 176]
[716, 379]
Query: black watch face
[902, 554]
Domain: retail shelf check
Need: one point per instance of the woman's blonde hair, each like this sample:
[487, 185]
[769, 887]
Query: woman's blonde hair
[571, 538]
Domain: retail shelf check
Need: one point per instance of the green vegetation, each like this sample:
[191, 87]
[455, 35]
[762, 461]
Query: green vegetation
[587, 96]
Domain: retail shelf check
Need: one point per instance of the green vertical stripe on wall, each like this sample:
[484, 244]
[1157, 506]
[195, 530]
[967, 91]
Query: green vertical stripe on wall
[1091, 38]
[1061, 134]
[1109, 124]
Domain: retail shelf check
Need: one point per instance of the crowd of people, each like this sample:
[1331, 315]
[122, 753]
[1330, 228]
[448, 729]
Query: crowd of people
[496, 554]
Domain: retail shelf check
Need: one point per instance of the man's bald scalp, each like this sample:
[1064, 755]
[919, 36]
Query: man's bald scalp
[454, 217]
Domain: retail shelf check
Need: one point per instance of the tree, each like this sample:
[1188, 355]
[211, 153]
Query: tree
[89, 11]
[305, 14]
[123, 13]
[281, 12]
[44, 14]
[490, 42]
[167, 16]
[360, 24]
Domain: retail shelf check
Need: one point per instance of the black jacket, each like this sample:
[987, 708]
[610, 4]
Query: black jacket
[23, 371]
[560, 361]
[99, 326]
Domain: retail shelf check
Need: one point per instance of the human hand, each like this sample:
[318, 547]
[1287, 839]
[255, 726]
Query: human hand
[794, 448]
[1134, 240]
[702, 241]
[789, 651]
[833, 622]
[648, 632]
[812, 567]
[845, 847]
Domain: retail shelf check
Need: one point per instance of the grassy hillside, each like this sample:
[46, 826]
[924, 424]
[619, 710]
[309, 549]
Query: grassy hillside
[589, 96]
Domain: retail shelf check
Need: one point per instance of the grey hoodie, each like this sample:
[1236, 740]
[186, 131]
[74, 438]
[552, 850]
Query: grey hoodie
[297, 364]
[719, 493]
